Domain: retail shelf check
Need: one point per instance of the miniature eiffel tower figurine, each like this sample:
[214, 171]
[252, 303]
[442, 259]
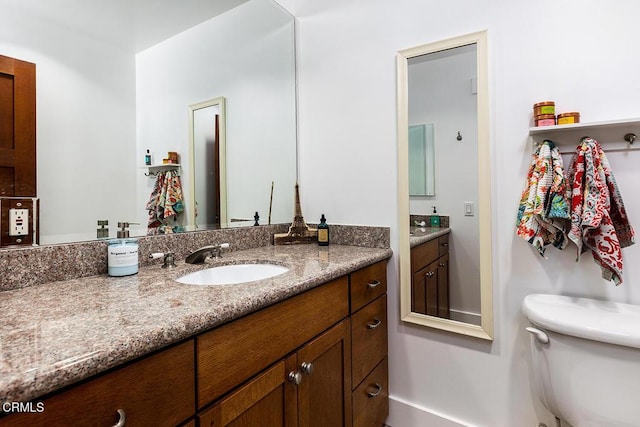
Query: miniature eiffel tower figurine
[299, 231]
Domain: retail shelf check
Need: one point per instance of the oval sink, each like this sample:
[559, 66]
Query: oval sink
[232, 274]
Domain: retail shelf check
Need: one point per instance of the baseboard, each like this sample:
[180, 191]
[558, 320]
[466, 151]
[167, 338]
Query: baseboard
[465, 317]
[407, 414]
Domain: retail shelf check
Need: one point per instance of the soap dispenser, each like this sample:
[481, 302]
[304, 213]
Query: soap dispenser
[435, 218]
[122, 257]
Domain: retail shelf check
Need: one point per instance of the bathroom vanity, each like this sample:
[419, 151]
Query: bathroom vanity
[430, 271]
[308, 347]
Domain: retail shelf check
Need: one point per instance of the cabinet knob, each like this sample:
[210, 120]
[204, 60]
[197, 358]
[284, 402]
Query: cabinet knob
[445, 244]
[373, 284]
[295, 377]
[122, 418]
[374, 324]
[442, 265]
[429, 274]
[307, 367]
[373, 394]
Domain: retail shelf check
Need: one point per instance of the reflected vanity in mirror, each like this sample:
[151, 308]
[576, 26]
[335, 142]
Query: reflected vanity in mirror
[444, 180]
[92, 159]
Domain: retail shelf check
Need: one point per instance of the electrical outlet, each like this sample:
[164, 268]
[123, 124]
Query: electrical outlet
[18, 222]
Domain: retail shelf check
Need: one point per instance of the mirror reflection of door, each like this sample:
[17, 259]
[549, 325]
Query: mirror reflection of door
[207, 157]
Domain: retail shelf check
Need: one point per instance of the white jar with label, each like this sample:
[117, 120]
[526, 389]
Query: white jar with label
[122, 255]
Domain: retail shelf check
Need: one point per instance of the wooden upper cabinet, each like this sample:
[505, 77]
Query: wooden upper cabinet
[17, 128]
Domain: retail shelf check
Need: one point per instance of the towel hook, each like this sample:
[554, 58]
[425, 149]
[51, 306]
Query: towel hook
[630, 137]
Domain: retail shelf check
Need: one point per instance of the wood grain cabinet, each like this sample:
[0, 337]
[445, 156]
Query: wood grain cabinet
[156, 390]
[430, 277]
[316, 359]
[369, 346]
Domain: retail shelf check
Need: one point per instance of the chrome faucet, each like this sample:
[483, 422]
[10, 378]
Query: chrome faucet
[200, 255]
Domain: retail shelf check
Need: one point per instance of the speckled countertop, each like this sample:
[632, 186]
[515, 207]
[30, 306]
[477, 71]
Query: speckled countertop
[419, 235]
[58, 333]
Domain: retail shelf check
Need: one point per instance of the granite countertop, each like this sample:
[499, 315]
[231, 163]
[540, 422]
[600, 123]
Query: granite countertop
[58, 333]
[420, 235]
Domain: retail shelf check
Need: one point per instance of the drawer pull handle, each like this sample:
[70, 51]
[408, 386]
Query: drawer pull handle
[442, 265]
[373, 284]
[373, 394]
[429, 274]
[375, 324]
[295, 377]
[445, 244]
[122, 418]
[307, 367]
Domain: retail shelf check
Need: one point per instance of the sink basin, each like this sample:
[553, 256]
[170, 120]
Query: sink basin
[232, 274]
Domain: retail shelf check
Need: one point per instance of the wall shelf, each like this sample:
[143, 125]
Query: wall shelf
[610, 134]
[153, 170]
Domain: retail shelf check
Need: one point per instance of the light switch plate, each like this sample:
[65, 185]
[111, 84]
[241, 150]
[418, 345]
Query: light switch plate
[468, 209]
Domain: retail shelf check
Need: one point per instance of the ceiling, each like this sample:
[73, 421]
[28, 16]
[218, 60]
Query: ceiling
[130, 24]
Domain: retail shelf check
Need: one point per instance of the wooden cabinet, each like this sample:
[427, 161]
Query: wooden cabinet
[310, 387]
[369, 346]
[306, 361]
[156, 390]
[430, 277]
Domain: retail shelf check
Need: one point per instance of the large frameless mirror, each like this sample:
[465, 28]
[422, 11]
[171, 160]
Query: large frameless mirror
[444, 173]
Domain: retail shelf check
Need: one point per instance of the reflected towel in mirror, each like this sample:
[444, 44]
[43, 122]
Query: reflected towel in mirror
[166, 201]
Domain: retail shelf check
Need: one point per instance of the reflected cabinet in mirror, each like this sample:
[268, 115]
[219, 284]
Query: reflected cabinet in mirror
[445, 186]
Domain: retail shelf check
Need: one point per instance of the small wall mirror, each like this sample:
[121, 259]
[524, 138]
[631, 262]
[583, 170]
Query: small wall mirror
[444, 162]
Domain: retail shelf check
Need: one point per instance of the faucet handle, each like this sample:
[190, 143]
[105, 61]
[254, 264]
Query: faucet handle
[169, 258]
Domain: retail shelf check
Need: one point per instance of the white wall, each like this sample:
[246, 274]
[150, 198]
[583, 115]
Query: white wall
[85, 100]
[578, 54]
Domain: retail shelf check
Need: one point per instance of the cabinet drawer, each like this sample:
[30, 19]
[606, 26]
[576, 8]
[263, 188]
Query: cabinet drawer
[368, 339]
[157, 390]
[371, 399]
[234, 352]
[368, 284]
[424, 254]
[443, 244]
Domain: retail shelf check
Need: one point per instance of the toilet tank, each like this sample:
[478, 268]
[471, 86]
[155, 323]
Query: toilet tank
[588, 373]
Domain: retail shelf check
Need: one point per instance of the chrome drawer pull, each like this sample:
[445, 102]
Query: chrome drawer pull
[375, 324]
[122, 418]
[294, 377]
[373, 284]
[307, 367]
[375, 393]
[445, 244]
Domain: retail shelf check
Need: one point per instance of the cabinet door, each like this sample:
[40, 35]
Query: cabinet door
[443, 286]
[267, 400]
[424, 290]
[324, 392]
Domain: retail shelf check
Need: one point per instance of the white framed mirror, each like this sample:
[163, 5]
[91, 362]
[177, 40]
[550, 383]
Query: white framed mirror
[446, 83]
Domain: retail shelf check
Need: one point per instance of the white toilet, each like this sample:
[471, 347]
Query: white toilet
[586, 359]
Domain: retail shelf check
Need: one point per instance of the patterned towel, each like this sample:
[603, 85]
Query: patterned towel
[543, 214]
[598, 218]
[166, 200]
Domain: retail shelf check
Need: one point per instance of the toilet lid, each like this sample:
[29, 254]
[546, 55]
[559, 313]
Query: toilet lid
[605, 321]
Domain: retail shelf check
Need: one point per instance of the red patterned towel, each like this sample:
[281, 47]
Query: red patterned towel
[598, 218]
